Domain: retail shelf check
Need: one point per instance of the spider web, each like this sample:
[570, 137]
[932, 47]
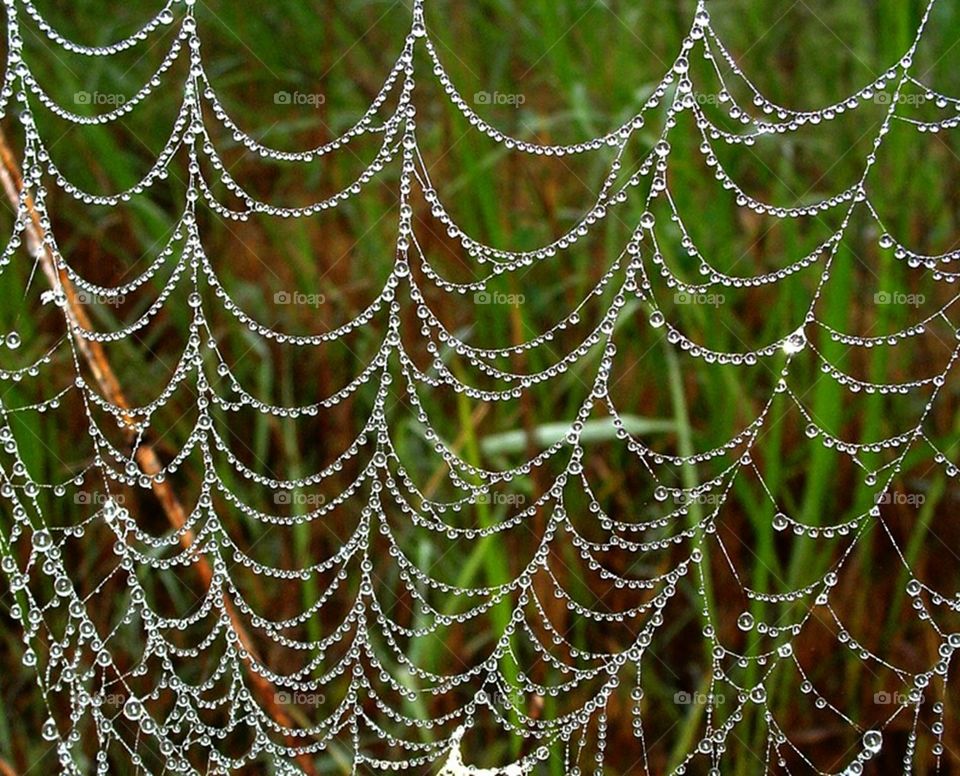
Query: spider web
[358, 689]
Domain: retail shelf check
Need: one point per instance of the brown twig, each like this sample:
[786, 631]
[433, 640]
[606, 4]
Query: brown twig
[95, 357]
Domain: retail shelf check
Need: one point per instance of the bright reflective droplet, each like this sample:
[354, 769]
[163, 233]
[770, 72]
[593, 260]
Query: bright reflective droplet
[42, 541]
[795, 342]
[133, 709]
[49, 731]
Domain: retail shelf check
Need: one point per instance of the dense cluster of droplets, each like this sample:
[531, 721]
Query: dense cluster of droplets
[592, 676]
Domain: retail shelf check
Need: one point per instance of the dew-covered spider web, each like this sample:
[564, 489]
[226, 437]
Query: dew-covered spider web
[505, 613]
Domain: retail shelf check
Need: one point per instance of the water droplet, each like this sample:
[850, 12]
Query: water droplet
[795, 342]
[49, 730]
[872, 741]
[745, 621]
[42, 541]
[133, 709]
[63, 586]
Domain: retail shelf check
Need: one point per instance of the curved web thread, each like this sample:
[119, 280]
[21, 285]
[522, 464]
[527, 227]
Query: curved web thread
[373, 654]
